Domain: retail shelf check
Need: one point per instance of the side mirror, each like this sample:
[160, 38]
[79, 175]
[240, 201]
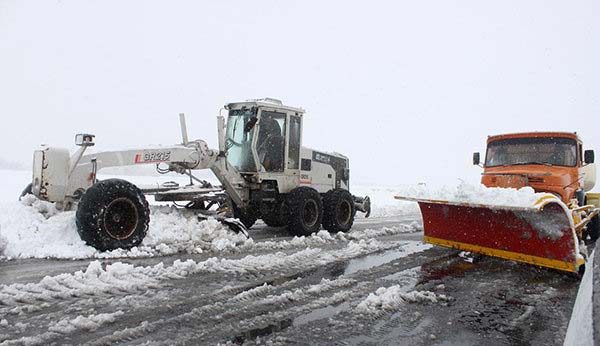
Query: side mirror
[476, 159]
[588, 156]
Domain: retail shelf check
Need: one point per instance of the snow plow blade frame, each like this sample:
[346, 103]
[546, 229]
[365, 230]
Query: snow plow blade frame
[543, 235]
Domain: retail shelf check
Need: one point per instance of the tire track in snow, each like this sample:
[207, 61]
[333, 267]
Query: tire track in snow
[104, 284]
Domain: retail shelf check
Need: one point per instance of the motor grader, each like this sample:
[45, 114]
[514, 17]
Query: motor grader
[551, 232]
[264, 170]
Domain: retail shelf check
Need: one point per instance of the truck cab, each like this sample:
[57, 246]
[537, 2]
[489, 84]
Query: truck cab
[553, 162]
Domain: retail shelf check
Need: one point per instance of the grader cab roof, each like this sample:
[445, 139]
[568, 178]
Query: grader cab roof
[265, 102]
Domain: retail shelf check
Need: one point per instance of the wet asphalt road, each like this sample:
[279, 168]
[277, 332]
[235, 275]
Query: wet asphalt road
[491, 301]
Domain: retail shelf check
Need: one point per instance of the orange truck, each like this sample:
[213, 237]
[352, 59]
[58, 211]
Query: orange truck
[549, 233]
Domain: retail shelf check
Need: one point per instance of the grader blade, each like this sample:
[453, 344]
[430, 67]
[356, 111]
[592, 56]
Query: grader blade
[542, 235]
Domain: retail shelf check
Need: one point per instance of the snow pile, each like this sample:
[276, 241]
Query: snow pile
[85, 323]
[35, 229]
[174, 230]
[474, 194]
[390, 298]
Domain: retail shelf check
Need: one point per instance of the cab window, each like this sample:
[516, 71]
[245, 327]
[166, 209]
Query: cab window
[270, 145]
[294, 147]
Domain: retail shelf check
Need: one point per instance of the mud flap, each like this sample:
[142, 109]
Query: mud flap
[542, 235]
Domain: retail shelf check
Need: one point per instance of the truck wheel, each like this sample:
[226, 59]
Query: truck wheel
[594, 228]
[113, 214]
[247, 217]
[338, 211]
[306, 211]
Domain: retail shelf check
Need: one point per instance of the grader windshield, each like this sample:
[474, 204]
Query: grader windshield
[239, 139]
[269, 128]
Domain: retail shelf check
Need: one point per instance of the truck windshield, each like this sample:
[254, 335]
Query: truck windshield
[532, 151]
[239, 139]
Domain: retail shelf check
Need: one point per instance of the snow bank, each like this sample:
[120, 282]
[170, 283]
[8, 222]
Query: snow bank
[35, 229]
[390, 298]
[474, 194]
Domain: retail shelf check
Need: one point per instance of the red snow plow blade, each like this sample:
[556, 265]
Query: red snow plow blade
[542, 235]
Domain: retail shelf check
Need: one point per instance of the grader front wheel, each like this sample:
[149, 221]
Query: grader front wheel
[113, 214]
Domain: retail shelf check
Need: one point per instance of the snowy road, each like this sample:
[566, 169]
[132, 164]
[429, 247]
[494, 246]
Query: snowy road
[377, 285]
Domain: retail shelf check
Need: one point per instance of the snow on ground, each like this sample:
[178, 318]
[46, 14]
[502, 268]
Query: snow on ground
[31, 228]
[120, 278]
[474, 194]
[35, 229]
[390, 298]
[86, 323]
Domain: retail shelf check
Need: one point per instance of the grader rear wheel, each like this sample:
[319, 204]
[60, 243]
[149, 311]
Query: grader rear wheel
[306, 211]
[338, 211]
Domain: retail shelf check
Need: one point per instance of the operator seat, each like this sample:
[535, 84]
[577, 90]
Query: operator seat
[273, 147]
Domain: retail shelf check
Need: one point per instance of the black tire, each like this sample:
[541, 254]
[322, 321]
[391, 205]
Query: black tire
[113, 214]
[338, 211]
[593, 228]
[277, 217]
[306, 211]
[26, 191]
[247, 217]
[274, 221]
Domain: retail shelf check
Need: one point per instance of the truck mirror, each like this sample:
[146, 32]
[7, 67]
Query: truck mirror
[588, 156]
[476, 159]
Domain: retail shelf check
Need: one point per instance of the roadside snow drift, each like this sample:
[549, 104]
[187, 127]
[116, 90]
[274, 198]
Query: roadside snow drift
[474, 194]
[35, 229]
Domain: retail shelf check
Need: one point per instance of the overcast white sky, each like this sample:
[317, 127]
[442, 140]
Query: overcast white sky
[407, 89]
